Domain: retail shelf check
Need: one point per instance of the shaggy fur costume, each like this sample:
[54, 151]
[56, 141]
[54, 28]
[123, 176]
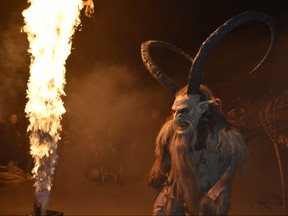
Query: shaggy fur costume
[193, 171]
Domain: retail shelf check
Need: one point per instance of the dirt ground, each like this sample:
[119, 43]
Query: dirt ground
[256, 190]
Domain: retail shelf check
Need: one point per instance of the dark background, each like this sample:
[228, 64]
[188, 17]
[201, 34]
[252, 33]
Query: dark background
[110, 94]
[105, 68]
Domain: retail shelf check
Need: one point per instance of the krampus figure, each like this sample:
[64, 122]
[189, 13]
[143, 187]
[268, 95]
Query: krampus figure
[198, 148]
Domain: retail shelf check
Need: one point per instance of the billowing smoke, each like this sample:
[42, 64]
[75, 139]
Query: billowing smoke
[105, 105]
[13, 67]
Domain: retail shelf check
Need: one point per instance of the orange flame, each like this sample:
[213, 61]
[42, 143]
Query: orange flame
[50, 26]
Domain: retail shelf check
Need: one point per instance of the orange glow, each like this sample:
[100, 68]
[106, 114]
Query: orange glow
[50, 26]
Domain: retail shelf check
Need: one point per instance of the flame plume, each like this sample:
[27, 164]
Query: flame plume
[50, 25]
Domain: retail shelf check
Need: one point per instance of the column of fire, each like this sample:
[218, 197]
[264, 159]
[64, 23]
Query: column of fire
[49, 25]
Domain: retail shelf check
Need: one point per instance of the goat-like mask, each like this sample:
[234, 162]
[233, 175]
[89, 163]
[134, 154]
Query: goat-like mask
[187, 111]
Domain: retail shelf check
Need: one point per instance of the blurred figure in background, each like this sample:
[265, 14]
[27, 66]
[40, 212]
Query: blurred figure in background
[15, 160]
[16, 143]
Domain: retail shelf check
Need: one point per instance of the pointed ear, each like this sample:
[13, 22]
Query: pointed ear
[203, 106]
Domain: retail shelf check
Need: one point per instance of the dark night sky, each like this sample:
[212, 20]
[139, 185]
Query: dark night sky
[113, 38]
[109, 91]
[105, 73]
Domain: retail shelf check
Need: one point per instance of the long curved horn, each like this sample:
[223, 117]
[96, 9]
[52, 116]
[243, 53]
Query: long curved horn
[195, 75]
[162, 78]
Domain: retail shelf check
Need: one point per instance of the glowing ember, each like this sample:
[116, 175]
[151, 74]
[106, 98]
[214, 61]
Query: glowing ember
[50, 25]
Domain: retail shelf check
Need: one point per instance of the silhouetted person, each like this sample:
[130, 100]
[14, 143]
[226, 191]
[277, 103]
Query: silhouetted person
[17, 144]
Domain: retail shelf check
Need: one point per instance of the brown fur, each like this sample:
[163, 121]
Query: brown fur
[182, 170]
[173, 163]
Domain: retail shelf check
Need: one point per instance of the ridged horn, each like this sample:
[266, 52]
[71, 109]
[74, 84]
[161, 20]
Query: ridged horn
[154, 70]
[195, 75]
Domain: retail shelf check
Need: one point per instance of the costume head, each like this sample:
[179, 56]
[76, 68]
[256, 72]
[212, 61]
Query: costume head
[190, 100]
[179, 134]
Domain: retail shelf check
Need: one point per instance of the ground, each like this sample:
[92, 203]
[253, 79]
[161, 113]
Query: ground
[256, 191]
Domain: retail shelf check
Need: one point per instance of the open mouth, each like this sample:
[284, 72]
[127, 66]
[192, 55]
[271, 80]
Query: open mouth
[182, 126]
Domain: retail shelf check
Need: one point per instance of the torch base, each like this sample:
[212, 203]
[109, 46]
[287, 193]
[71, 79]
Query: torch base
[50, 213]
[37, 211]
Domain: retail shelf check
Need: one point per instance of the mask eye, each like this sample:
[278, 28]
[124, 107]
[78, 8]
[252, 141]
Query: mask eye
[184, 111]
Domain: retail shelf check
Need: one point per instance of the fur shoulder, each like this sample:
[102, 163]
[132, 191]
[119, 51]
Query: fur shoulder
[227, 140]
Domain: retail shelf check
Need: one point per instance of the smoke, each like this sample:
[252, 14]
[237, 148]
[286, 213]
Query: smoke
[104, 101]
[106, 105]
[14, 68]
